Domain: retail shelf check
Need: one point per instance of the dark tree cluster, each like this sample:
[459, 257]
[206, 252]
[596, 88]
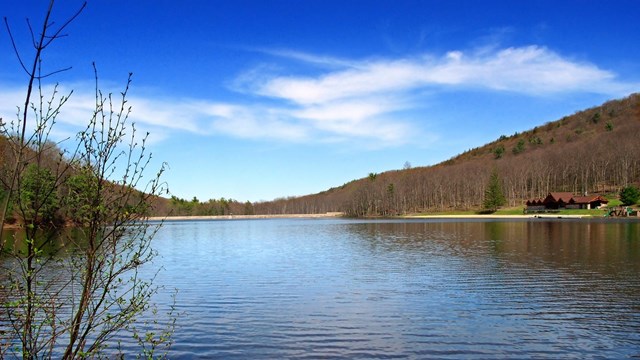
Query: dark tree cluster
[214, 207]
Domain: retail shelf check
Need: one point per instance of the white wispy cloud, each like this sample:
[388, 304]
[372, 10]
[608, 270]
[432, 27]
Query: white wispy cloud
[325, 61]
[360, 99]
[346, 100]
[531, 70]
[254, 122]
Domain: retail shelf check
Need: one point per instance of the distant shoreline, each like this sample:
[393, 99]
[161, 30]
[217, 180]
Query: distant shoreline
[341, 215]
[494, 216]
[246, 217]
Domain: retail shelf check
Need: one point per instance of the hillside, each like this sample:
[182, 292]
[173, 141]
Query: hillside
[591, 151]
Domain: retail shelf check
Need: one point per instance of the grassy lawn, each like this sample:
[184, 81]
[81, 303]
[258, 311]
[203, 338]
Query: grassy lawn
[510, 211]
[614, 202]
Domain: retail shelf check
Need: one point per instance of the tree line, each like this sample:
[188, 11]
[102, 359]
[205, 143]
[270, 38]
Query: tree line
[177, 206]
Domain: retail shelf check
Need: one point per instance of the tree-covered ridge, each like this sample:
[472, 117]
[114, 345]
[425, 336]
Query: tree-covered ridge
[591, 151]
[55, 191]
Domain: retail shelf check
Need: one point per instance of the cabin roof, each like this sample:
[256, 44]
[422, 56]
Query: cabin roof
[565, 197]
[589, 199]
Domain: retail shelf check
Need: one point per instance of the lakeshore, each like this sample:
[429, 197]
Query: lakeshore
[246, 217]
[339, 215]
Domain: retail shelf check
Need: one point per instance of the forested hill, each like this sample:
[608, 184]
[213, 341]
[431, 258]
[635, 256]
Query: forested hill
[594, 151]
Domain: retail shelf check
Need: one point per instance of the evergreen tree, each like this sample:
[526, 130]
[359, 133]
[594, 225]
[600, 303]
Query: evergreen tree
[493, 196]
[629, 195]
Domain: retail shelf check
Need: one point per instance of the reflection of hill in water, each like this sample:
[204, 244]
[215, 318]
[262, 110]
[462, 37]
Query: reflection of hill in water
[601, 246]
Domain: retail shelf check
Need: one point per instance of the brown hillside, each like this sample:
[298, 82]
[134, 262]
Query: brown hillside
[591, 151]
[613, 117]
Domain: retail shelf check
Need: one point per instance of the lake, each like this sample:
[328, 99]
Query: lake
[332, 288]
[386, 289]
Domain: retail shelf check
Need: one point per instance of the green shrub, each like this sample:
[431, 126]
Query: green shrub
[629, 195]
[519, 147]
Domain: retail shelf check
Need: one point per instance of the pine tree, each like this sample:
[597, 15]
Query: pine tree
[629, 195]
[493, 196]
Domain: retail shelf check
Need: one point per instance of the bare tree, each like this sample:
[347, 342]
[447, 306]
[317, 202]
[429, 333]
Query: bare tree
[66, 294]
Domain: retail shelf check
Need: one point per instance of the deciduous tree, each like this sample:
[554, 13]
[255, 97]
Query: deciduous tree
[72, 299]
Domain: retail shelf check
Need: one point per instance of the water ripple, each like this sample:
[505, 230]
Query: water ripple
[312, 289]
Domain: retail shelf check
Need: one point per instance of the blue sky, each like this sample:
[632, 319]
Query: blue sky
[259, 99]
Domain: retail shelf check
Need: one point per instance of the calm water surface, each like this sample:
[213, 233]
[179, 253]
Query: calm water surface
[309, 288]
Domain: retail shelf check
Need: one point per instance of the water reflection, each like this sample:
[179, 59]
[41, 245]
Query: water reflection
[538, 285]
[50, 241]
[595, 245]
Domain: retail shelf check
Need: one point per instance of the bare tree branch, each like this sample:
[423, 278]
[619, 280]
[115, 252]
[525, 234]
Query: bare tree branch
[15, 47]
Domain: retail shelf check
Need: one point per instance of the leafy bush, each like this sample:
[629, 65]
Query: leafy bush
[519, 147]
[535, 140]
[38, 196]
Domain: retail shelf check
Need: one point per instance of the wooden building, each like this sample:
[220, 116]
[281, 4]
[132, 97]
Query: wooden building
[565, 200]
[587, 202]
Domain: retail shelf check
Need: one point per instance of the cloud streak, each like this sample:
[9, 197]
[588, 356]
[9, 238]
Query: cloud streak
[362, 99]
[355, 101]
[530, 70]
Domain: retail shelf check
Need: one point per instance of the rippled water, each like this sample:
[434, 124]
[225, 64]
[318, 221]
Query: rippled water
[404, 289]
[364, 289]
